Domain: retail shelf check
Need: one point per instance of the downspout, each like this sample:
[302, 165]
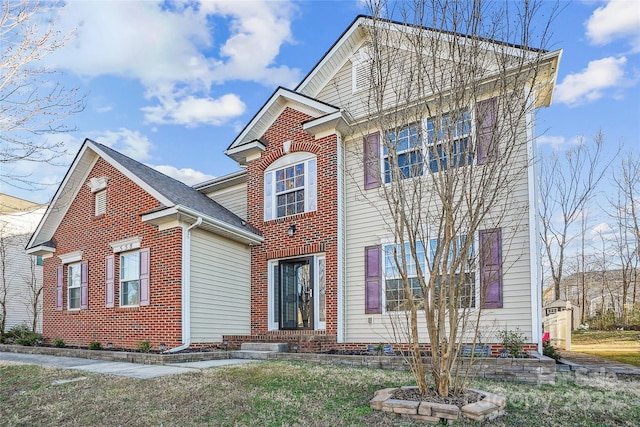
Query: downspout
[341, 241]
[186, 287]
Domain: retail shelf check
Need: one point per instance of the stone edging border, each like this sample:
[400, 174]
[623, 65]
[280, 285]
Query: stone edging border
[490, 407]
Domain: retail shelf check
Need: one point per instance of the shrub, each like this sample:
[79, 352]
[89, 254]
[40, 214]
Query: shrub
[512, 341]
[23, 335]
[550, 351]
[58, 342]
[144, 346]
[95, 345]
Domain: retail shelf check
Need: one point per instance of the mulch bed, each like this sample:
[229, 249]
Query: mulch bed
[461, 399]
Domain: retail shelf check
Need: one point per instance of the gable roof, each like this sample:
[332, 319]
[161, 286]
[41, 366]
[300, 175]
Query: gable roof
[356, 34]
[169, 192]
[269, 112]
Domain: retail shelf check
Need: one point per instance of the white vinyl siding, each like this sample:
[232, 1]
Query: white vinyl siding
[233, 198]
[21, 270]
[220, 295]
[364, 228]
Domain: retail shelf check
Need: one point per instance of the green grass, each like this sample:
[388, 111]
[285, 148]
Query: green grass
[605, 337]
[629, 358]
[282, 394]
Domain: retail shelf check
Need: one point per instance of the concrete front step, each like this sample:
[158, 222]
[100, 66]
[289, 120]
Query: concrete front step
[249, 354]
[264, 346]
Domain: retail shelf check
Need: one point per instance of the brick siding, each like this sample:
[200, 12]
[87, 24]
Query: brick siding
[316, 231]
[160, 321]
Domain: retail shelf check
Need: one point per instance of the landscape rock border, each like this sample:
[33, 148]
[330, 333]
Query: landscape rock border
[489, 407]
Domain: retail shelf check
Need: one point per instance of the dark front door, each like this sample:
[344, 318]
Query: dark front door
[296, 294]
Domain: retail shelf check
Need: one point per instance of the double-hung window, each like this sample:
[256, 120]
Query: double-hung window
[74, 280]
[402, 153]
[129, 279]
[395, 295]
[448, 139]
[455, 269]
[290, 186]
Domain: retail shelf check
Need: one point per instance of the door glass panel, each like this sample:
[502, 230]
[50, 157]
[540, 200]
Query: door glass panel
[322, 291]
[296, 295]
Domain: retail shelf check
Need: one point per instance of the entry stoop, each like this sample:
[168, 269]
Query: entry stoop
[259, 350]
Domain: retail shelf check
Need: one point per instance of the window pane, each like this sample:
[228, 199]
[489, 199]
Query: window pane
[74, 276]
[322, 291]
[130, 266]
[130, 295]
[74, 297]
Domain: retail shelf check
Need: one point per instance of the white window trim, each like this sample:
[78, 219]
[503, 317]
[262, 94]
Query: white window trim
[310, 185]
[71, 257]
[421, 148]
[126, 244]
[120, 280]
[69, 287]
[273, 325]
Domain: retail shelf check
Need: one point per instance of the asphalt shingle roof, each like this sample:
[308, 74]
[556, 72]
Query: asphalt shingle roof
[176, 191]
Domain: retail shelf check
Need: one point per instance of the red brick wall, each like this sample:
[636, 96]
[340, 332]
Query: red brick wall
[160, 321]
[315, 231]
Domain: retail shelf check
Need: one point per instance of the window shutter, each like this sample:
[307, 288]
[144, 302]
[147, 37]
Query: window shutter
[268, 196]
[372, 161]
[487, 145]
[491, 268]
[84, 285]
[373, 279]
[59, 281]
[144, 276]
[109, 264]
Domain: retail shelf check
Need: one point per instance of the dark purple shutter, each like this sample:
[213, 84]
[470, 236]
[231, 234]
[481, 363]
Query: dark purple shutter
[84, 285]
[144, 276]
[59, 281]
[373, 279]
[372, 161]
[487, 145]
[109, 273]
[491, 268]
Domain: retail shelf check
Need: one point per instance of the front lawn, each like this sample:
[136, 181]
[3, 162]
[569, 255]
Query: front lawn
[281, 394]
[621, 346]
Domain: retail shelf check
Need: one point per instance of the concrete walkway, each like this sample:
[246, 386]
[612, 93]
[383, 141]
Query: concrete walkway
[593, 363]
[124, 369]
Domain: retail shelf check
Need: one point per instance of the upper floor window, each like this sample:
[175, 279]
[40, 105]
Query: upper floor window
[405, 160]
[448, 141]
[290, 186]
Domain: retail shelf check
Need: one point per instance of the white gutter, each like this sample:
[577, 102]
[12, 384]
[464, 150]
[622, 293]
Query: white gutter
[186, 287]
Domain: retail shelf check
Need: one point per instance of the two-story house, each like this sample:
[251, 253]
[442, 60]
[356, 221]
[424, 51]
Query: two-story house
[310, 235]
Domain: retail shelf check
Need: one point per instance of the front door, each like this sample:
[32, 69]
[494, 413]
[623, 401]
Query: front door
[296, 294]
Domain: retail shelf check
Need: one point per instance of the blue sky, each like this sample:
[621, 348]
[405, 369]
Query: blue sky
[171, 85]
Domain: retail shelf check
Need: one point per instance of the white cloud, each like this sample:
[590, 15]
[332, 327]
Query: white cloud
[191, 111]
[169, 48]
[130, 143]
[617, 19]
[552, 140]
[187, 175]
[590, 84]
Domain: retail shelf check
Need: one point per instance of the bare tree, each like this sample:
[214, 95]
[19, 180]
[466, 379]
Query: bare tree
[33, 105]
[568, 180]
[34, 289]
[625, 212]
[452, 107]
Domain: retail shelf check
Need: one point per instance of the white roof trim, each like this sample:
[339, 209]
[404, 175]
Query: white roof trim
[279, 93]
[40, 250]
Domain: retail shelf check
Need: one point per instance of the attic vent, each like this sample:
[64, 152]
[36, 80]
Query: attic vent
[101, 202]
[362, 69]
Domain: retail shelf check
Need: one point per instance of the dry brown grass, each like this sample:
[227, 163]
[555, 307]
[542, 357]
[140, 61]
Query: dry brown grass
[279, 394]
